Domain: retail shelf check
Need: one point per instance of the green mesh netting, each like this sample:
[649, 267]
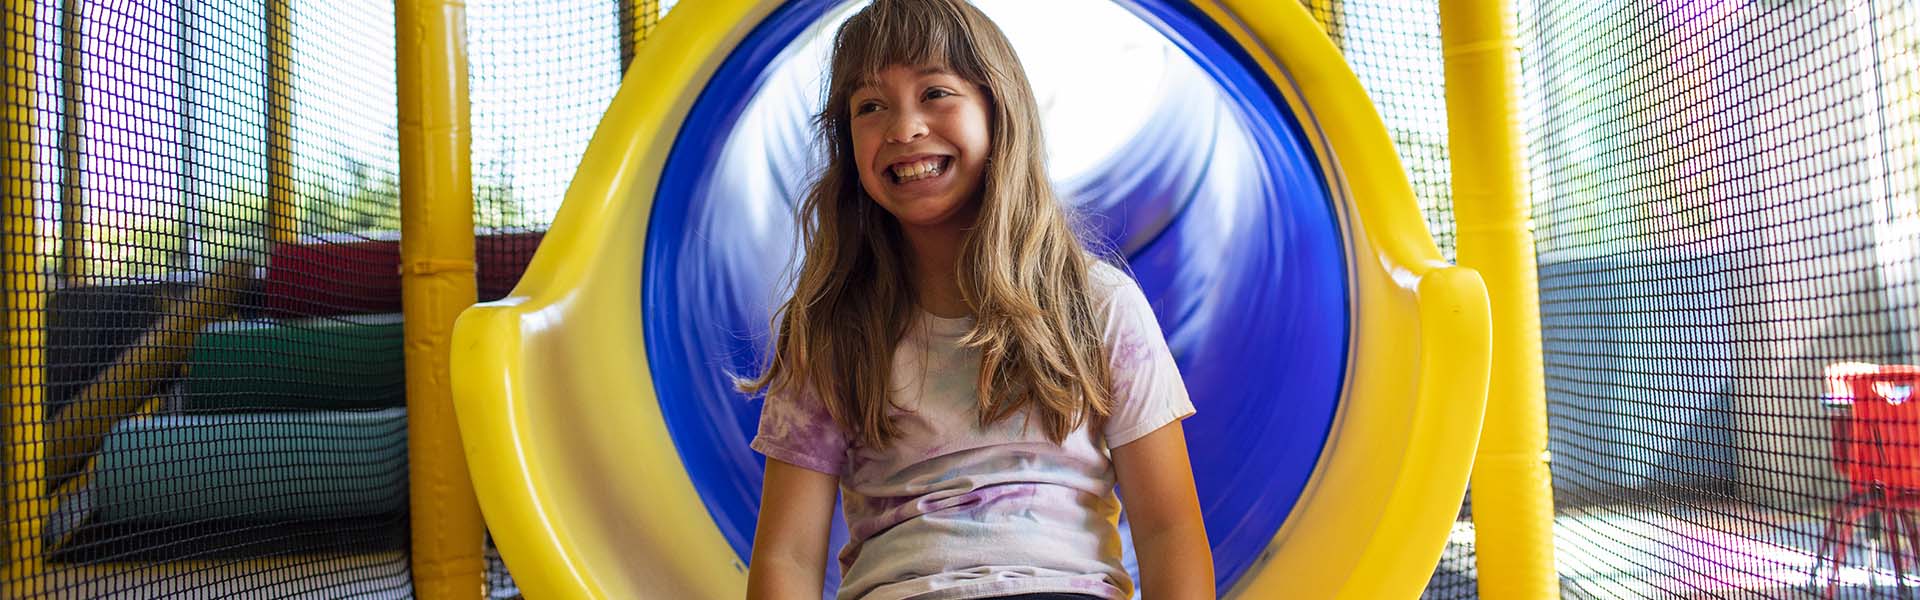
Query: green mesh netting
[1725, 206]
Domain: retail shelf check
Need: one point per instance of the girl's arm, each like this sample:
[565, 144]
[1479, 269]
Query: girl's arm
[790, 543]
[1168, 535]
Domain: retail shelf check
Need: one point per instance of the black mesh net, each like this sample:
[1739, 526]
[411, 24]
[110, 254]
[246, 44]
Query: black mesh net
[202, 301]
[201, 269]
[1394, 50]
[1725, 208]
[540, 76]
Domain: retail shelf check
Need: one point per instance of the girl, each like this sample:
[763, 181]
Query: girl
[968, 377]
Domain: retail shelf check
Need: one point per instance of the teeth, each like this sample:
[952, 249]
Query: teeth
[917, 170]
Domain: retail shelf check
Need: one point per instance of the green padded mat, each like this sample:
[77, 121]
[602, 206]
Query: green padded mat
[285, 466]
[332, 363]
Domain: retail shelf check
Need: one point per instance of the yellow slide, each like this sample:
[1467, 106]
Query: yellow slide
[587, 496]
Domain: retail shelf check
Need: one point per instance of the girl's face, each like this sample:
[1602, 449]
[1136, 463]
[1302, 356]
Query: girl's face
[920, 143]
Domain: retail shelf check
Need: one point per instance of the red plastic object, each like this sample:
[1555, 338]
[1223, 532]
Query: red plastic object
[1876, 445]
[1881, 443]
[328, 277]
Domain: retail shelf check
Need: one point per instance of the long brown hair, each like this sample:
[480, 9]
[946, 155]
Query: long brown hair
[1022, 271]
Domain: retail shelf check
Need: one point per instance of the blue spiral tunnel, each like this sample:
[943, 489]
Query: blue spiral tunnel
[1211, 197]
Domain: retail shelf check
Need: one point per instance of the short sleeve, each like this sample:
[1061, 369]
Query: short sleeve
[795, 428]
[1148, 392]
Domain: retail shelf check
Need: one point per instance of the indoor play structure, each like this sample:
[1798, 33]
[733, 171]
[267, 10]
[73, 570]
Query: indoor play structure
[1481, 298]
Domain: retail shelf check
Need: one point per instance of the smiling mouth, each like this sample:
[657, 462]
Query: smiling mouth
[927, 168]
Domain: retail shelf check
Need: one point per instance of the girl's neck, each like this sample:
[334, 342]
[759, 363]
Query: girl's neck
[936, 261]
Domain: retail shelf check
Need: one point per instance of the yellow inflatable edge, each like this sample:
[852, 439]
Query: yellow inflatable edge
[1378, 510]
[549, 475]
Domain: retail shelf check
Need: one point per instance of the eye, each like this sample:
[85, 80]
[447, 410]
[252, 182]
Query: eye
[865, 107]
[938, 93]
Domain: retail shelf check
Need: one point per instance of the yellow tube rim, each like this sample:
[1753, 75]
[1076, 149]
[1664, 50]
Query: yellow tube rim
[587, 497]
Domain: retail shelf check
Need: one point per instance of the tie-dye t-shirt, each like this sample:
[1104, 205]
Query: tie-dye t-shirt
[951, 510]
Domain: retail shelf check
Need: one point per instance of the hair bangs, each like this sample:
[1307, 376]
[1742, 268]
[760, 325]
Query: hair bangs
[906, 33]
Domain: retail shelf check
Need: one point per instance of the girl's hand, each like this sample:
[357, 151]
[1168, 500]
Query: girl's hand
[790, 542]
[1156, 480]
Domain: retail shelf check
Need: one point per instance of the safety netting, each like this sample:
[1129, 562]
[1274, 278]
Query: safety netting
[205, 393]
[1724, 201]
[540, 77]
[202, 218]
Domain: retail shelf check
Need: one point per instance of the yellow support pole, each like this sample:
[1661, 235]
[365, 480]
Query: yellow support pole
[23, 301]
[637, 18]
[191, 227]
[1512, 488]
[629, 31]
[1332, 18]
[73, 206]
[283, 222]
[438, 279]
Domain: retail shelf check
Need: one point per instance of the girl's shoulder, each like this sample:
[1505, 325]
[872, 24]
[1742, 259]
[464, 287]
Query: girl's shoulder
[1114, 291]
[1107, 279]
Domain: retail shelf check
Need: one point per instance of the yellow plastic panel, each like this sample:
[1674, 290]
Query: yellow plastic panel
[1375, 517]
[576, 474]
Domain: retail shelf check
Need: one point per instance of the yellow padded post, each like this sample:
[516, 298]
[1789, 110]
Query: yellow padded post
[437, 282]
[73, 93]
[1512, 488]
[23, 298]
[283, 223]
[637, 18]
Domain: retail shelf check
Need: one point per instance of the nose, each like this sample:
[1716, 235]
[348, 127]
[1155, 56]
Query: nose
[907, 126]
